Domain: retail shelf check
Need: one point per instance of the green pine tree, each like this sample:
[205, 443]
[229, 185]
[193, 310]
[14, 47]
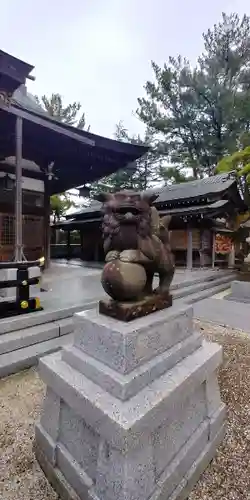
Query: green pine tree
[66, 114]
[200, 113]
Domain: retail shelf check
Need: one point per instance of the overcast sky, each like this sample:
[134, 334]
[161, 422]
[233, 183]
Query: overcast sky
[98, 52]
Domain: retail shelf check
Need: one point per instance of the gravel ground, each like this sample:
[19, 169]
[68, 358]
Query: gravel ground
[226, 478]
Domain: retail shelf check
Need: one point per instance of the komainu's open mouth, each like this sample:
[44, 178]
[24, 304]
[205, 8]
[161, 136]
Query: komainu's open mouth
[125, 209]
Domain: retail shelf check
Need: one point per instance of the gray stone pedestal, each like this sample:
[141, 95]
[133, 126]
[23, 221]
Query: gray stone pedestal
[132, 411]
[240, 292]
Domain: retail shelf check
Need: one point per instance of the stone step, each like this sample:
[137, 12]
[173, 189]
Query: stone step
[28, 336]
[209, 292]
[200, 286]
[214, 275]
[21, 359]
[38, 318]
[66, 325]
[34, 335]
[24, 339]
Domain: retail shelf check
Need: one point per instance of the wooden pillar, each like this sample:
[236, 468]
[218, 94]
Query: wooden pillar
[19, 256]
[231, 257]
[68, 244]
[81, 243]
[189, 248]
[57, 234]
[47, 231]
[202, 256]
[96, 254]
[213, 250]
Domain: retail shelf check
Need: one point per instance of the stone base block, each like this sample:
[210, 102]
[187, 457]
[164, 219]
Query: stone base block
[125, 346]
[144, 430]
[129, 311]
[245, 275]
[64, 489]
[240, 292]
[127, 385]
[234, 298]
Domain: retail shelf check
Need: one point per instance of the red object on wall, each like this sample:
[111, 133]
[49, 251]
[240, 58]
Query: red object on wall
[223, 244]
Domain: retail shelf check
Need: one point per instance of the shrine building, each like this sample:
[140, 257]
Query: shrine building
[40, 156]
[203, 225]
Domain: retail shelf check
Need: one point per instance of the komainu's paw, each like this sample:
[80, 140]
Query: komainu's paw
[162, 290]
[130, 256]
[112, 255]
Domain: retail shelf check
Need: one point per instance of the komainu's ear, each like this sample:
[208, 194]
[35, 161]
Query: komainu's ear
[102, 197]
[149, 197]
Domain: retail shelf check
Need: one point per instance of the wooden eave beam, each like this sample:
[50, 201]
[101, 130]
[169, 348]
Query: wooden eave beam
[10, 169]
[46, 123]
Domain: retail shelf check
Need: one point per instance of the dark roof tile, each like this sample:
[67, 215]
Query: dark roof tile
[95, 206]
[27, 101]
[194, 189]
[196, 209]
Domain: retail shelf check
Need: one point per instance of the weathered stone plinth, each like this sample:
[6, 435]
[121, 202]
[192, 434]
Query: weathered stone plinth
[240, 292]
[129, 311]
[245, 272]
[132, 410]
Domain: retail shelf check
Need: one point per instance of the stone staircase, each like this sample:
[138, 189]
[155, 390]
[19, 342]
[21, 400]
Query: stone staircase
[24, 339]
[200, 288]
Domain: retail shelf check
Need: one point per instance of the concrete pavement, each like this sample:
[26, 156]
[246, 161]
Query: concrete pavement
[224, 312]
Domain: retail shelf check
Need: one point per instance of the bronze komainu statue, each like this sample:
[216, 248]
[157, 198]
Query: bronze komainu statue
[136, 245]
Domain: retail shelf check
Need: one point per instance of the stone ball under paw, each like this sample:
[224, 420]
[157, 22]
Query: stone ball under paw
[123, 281]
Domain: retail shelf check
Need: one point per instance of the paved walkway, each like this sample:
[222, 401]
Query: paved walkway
[74, 283]
[69, 284]
[224, 312]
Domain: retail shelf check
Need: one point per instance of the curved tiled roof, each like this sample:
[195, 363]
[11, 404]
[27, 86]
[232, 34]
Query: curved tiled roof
[79, 156]
[95, 206]
[217, 205]
[194, 189]
[27, 101]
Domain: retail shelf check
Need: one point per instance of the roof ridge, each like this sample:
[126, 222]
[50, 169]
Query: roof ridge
[206, 180]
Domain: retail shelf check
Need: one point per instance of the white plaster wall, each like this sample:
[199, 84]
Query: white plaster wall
[28, 183]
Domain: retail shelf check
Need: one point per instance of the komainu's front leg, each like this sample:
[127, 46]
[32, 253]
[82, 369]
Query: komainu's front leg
[165, 279]
[112, 255]
[148, 290]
